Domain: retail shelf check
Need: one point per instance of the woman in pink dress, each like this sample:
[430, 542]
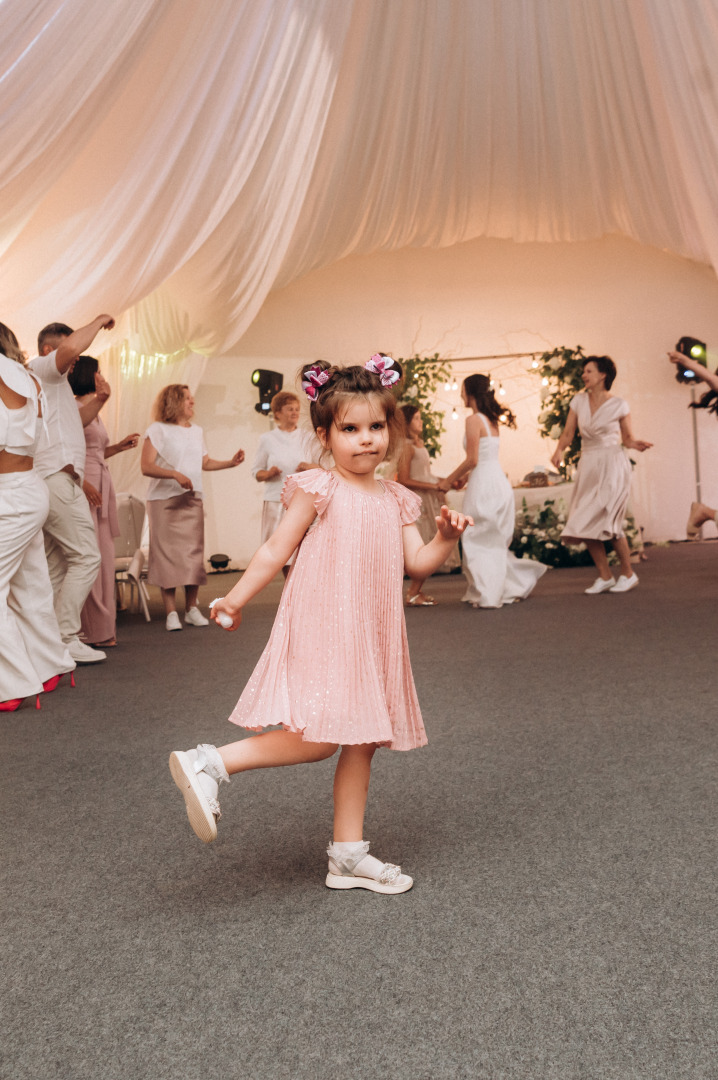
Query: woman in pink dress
[99, 611]
[603, 478]
[336, 670]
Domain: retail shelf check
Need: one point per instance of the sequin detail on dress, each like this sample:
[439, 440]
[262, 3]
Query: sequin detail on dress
[336, 667]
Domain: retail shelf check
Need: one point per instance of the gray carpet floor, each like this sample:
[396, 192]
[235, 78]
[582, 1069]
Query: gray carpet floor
[560, 827]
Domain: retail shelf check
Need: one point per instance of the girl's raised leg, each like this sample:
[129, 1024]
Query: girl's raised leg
[198, 773]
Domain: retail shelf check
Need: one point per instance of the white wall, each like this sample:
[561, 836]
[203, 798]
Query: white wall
[611, 296]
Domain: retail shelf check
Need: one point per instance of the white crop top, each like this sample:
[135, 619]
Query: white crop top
[20, 429]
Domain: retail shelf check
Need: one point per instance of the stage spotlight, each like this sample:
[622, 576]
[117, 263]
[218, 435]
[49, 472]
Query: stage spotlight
[268, 383]
[696, 349]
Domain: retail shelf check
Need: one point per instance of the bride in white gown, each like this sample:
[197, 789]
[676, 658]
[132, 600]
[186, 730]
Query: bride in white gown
[494, 575]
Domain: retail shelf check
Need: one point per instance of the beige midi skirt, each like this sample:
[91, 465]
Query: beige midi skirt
[176, 541]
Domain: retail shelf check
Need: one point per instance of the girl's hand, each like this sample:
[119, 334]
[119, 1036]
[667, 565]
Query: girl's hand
[460, 484]
[451, 524]
[237, 459]
[443, 485]
[183, 481]
[221, 606]
[557, 459]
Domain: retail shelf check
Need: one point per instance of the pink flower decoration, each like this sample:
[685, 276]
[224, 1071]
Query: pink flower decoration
[379, 365]
[313, 380]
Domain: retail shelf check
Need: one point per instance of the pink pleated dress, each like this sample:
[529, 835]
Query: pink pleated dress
[336, 668]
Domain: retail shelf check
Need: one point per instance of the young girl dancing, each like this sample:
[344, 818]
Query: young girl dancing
[336, 669]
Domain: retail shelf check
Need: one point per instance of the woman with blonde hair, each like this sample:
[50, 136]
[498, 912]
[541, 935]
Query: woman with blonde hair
[174, 456]
[33, 657]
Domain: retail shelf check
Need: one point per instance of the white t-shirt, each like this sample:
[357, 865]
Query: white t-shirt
[65, 441]
[285, 449]
[181, 449]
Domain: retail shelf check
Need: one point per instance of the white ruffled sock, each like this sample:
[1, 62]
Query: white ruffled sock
[354, 858]
[210, 771]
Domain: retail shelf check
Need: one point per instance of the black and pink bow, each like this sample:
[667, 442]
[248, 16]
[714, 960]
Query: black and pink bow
[313, 380]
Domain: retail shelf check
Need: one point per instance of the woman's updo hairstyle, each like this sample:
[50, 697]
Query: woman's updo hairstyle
[344, 383]
[82, 376]
[606, 366]
[408, 412]
[478, 389]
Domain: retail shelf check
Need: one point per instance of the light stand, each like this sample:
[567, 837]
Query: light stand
[695, 446]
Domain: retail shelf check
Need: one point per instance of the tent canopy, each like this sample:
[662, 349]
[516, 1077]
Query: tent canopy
[175, 161]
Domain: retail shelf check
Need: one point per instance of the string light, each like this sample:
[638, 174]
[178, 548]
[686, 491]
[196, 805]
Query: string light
[454, 414]
[502, 392]
[447, 387]
[544, 382]
[534, 364]
[454, 385]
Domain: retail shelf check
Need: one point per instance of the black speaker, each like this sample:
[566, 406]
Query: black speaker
[696, 349]
[268, 383]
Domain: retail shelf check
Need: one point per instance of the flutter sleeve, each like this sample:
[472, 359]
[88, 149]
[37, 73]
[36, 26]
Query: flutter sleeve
[409, 502]
[317, 482]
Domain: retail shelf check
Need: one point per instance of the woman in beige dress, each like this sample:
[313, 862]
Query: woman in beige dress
[174, 456]
[415, 473]
[603, 477]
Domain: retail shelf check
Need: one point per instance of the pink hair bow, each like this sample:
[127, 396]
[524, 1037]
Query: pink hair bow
[313, 380]
[379, 365]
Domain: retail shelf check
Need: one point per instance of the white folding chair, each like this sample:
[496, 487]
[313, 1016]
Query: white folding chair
[130, 555]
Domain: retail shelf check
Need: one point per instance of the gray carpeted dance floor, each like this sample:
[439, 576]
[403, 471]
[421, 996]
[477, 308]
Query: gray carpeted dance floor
[560, 827]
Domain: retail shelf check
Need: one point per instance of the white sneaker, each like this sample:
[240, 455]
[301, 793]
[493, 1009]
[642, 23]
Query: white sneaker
[600, 586]
[83, 654]
[172, 622]
[194, 617]
[191, 772]
[625, 584]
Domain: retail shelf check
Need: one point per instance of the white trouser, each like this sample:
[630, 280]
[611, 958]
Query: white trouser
[73, 557]
[31, 650]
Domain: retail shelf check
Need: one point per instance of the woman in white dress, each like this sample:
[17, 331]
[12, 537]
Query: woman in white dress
[415, 473]
[283, 451]
[603, 477]
[174, 456]
[494, 575]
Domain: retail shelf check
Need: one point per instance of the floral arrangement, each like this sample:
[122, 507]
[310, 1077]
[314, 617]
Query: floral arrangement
[537, 535]
[422, 377]
[560, 371]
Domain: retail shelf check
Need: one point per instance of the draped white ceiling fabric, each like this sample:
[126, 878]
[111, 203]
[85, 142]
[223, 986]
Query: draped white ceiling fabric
[173, 162]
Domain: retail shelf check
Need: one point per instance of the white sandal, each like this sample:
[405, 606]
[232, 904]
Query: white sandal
[197, 774]
[342, 873]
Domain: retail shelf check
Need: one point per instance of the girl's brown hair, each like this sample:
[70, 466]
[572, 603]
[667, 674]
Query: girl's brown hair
[478, 389]
[343, 384]
[10, 346]
[168, 403]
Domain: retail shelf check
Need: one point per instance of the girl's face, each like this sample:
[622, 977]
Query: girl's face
[187, 411]
[287, 417]
[358, 437]
[593, 379]
[416, 425]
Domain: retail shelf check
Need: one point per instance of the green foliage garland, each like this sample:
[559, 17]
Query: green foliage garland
[422, 377]
[563, 368]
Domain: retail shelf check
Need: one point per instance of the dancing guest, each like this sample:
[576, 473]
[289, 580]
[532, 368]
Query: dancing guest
[415, 473]
[699, 513]
[285, 450]
[493, 574]
[174, 456]
[336, 669]
[73, 557]
[603, 477]
[99, 612]
[33, 656]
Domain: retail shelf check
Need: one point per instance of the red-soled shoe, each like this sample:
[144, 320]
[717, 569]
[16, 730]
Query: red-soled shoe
[53, 682]
[12, 705]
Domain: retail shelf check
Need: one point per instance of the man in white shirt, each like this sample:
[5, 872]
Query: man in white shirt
[73, 557]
